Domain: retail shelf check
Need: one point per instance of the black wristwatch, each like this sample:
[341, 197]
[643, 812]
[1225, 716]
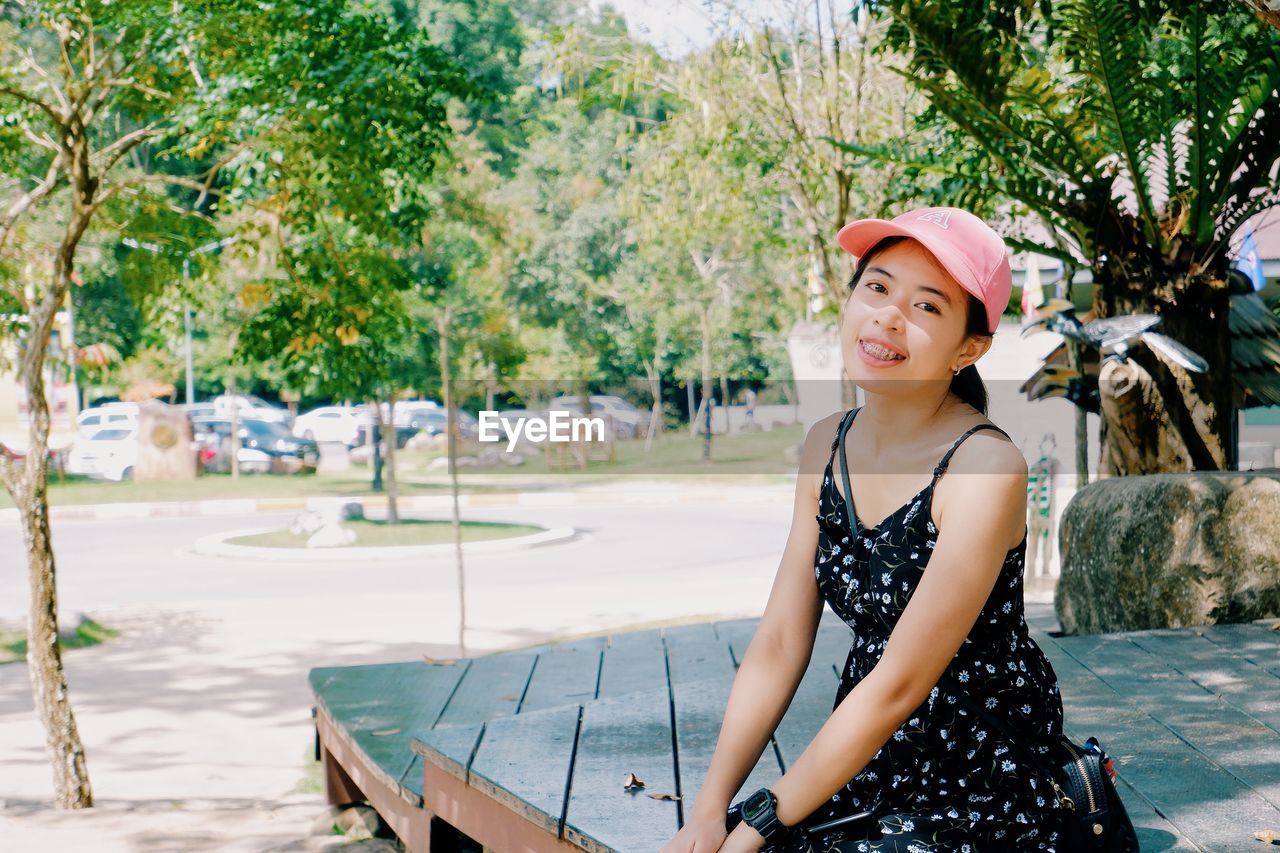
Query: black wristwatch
[759, 811]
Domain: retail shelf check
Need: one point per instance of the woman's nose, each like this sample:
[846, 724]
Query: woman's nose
[889, 316]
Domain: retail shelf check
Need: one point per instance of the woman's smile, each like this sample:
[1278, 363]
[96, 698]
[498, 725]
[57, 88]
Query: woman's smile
[877, 355]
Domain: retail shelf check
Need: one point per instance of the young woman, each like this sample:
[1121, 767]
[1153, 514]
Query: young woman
[932, 589]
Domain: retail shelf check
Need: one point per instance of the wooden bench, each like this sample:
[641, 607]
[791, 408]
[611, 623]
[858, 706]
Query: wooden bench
[528, 749]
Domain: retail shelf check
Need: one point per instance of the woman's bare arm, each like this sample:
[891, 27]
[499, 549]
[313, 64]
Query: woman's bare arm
[779, 651]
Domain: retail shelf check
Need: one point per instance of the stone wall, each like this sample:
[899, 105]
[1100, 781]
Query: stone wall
[1170, 551]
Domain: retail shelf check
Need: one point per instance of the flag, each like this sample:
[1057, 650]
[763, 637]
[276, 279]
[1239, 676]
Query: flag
[1032, 292]
[1061, 287]
[1250, 262]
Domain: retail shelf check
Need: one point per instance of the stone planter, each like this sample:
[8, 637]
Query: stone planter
[1170, 551]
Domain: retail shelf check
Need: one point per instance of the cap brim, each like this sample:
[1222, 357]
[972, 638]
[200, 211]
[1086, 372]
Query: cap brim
[859, 236]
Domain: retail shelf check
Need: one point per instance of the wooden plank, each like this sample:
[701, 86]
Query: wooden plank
[634, 661]
[564, 675]
[483, 819]
[809, 709]
[491, 687]
[629, 733]
[449, 747]
[1168, 789]
[372, 707]
[411, 700]
[411, 823]
[736, 633]
[1241, 752]
[523, 763]
[702, 674]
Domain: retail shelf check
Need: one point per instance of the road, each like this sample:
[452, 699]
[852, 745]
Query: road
[198, 714]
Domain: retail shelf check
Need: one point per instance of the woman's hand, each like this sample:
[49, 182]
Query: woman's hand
[743, 839]
[699, 835]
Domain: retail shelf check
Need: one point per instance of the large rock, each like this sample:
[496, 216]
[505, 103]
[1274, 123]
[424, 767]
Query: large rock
[1170, 551]
[165, 451]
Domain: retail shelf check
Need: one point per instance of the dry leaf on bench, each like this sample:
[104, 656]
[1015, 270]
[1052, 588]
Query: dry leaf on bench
[632, 781]
[665, 796]
[385, 732]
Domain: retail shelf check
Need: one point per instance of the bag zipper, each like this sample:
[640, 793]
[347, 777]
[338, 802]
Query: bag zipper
[1084, 774]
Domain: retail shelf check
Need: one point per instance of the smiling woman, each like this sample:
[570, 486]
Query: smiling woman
[932, 589]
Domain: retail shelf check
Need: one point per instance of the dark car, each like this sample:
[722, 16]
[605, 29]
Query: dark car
[403, 434]
[265, 446]
[433, 422]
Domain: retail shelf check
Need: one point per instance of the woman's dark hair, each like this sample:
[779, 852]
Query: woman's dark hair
[967, 384]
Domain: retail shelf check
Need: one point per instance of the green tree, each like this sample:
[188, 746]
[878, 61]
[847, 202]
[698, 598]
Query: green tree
[1142, 136]
[104, 101]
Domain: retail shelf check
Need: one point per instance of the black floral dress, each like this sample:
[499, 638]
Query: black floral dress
[944, 780]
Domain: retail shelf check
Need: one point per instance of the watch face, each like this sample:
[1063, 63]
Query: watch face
[755, 805]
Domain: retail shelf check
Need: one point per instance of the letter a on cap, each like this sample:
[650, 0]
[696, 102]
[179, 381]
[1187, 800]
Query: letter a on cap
[937, 217]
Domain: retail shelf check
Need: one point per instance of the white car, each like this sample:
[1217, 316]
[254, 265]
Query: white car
[628, 421]
[110, 452]
[330, 423]
[112, 414]
[406, 409]
[251, 408]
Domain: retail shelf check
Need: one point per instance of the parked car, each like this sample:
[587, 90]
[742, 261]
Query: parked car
[110, 453]
[265, 447]
[200, 410]
[406, 409]
[93, 419]
[628, 421]
[331, 423]
[434, 422]
[403, 434]
[250, 407]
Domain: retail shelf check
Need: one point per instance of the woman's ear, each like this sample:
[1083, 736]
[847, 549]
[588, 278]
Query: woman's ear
[975, 346]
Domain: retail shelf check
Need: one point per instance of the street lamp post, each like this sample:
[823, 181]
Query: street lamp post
[186, 303]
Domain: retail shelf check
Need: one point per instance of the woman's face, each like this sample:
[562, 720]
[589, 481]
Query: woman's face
[910, 304]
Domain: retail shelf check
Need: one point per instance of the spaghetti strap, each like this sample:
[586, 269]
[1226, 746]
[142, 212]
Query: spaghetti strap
[942, 466]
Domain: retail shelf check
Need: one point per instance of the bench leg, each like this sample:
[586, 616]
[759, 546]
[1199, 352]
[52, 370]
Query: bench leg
[338, 788]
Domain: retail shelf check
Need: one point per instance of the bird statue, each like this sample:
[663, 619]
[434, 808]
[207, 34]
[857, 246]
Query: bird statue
[1058, 380]
[1113, 337]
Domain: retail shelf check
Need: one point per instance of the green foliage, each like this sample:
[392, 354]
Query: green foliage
[1140, 132]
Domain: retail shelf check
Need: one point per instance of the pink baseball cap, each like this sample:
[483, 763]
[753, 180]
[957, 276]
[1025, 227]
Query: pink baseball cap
[963, 244]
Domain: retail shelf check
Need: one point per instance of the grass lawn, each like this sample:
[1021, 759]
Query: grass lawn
[13, 643]
[676, 457]
[410, 531]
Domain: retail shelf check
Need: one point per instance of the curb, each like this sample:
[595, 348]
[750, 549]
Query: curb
[257, 506]
[215, 545]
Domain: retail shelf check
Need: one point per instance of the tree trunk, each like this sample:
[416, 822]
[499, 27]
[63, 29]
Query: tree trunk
[1156, 417]
[235, 427]
[706, 378]
[28, 482]
[388, 431]
[446, 396]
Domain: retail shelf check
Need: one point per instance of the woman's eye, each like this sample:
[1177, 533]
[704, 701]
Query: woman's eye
[876, 284]
[928, 305]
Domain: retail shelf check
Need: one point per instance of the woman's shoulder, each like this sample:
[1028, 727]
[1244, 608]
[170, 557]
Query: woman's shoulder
[984, 450]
